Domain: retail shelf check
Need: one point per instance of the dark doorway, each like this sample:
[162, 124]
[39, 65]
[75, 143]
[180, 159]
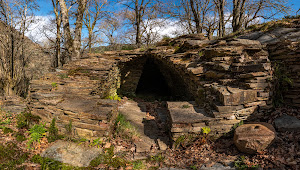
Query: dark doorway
[152, 83]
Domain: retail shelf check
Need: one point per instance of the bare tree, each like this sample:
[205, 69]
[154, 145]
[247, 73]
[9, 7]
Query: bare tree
[195, 16]
[199, 9]
[264, 9]
[238, 14]
[72, 45]
[110, 27]
[16, 17]
[220, 5]
[211, 22]
[91, 16]
[246, 11]
[151, 28]
[138, 10]
[57, 56]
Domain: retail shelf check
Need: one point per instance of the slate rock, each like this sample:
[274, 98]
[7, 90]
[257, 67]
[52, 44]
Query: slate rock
[71, 153]
[251, 138]
[252, 36]
[217, 166]
[287, 123]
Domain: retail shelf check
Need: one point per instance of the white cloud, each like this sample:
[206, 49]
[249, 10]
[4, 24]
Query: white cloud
[40, 29]
[158, 28]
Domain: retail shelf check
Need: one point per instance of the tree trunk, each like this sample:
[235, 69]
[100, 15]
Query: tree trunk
[8, 89]
[57, 51]
[210, 32]
[238, 14]
[221, 25]
[196, 17]
[57, 58]
[66, 28]
[90, 40]
[138, 23]
[78, 28]
[12, 56]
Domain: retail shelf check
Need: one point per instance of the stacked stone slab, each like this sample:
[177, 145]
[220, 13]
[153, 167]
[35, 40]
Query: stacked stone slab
[284, 48]
[131, 68]
[75, 94]
[287, 54]
[229, 80]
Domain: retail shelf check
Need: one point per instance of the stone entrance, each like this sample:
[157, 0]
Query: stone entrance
[146, 75]
[152, 82]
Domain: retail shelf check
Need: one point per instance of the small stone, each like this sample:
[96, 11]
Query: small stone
[162, 145]
[107, 145]
[287, 123]
[251, 138]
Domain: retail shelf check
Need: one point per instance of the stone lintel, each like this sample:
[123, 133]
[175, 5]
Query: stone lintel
[186, 112]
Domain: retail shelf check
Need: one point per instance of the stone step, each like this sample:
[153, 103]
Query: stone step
[186, 112]
[147, 129]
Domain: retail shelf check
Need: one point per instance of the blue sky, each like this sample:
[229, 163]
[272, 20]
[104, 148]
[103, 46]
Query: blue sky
[46, 10]
[46, 6]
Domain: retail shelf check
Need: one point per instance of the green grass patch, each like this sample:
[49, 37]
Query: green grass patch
[69, 129]
[7, 121]
[37, 132]
[110, 159]
[54, 85]
[50, 164]
[240, 163]
[20, 137]
[53, 132]
[11, 156]
[157, 158]
[115, 97]
[26, 119]
[124, 128]
[63, 76]
[138, 164]
[185, 106]
[7, 130]
[97, 142]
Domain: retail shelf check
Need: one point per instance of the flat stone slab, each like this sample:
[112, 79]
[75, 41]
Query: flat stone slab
[217, 166]
[186, 112]
[149, 134]
[94, 107]
[287, 123]
[72, 153]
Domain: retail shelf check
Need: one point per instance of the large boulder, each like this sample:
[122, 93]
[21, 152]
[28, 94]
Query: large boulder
[251, 138]
[72, 153]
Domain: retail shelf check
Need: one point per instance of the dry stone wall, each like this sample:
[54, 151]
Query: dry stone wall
[75, 95]
[131, 68]
[229, 79]
[283, 45]
[223, 82]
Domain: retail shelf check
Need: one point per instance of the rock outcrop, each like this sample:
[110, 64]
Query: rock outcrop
[254, 137]
[283, 44]
[227, 79]
[75, 95]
